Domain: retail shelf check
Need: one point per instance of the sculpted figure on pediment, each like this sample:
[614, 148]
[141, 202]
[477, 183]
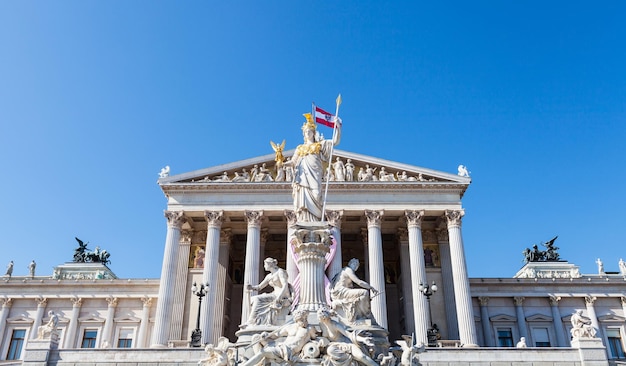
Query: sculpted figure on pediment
[349, 171]
[340, 170]
[222, 178]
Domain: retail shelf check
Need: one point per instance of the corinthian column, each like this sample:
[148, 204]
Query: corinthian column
[178, 308]
[175, 220]
[70, 336]
[209, 275]
[41, 308]
[448, 280]
[222, 270]
[418, 274]
[4, 312]
[484, 320]
[251, 271]
[521, 318]
[105, 342]
[407, 293]
[558, 323]
[464, 311]
[591, 312]
[145, 320]
[334, 219]
[377, 267]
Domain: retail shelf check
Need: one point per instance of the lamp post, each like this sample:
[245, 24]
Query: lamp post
[196, 335]
[433, 332]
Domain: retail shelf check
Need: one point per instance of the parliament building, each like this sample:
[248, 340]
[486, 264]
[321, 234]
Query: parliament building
[404, 224]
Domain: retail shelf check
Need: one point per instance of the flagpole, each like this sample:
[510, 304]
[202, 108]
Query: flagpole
[330, 157]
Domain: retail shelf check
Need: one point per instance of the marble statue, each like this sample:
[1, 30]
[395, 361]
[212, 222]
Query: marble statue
[265, 307]
[600, 266]
[369, 176]
[222, 178]
[383, 176]
[238, 178]
[288, 168]
[340, 170]
[9, 271]
[463, 172]
[263, 174]
[622, 267]
[361, 175]
[345, 345]
[31, 268]
[165, 172]
[253, 173]
[355, 302]
[403, 177]
[349, 171]
[45, 331]
[219, 355]
[308, 170]
[581, 326]
[521, 343]
[296, 334]
[409, 350]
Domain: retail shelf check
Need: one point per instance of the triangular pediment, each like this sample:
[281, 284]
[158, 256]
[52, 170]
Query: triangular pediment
[538, 318]
[262, 169]
[503, 318]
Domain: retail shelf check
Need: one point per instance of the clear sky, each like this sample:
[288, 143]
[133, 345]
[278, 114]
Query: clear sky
[97, 96]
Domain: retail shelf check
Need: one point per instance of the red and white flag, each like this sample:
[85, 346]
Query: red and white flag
[324, 118]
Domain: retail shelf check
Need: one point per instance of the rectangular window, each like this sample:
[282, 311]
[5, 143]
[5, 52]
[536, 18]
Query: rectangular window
[505, 337]
[125, 339]
[17, 342]
[541, 337]
[89, 338]
[615, 343]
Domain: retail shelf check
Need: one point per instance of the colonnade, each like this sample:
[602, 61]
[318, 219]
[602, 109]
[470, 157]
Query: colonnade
[456, 282]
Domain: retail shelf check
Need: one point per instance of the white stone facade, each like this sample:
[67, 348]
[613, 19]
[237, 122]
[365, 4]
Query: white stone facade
[405, 229]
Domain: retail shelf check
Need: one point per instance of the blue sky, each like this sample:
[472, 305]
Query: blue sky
[96, 97]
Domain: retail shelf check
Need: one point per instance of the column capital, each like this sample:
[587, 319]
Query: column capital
[442, 236]
[112, 301]
[185, 237]
[175, 219]
[214, 218]
[254, 218]
[454, 217]
[226, 236]
[374, 217]
[403, 234]
[291, 217]
[147, 301]
[519, 300]
[41, 301]
[554, 300]
[589, 300]
[483, 300]
[76, 301]
[6, 302]
[334, 217]
[414, 218]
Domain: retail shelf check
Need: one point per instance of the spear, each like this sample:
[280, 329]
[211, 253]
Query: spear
[330, 157]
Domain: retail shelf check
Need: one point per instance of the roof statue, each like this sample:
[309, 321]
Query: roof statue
[548, 255]
[83, 255]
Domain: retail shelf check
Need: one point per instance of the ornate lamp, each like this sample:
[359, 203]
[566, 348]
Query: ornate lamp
[200, 291]
[433, 331]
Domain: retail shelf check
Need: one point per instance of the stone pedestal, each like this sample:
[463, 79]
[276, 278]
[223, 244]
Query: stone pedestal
[37, 351]
[592, 351]
[311, 241]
